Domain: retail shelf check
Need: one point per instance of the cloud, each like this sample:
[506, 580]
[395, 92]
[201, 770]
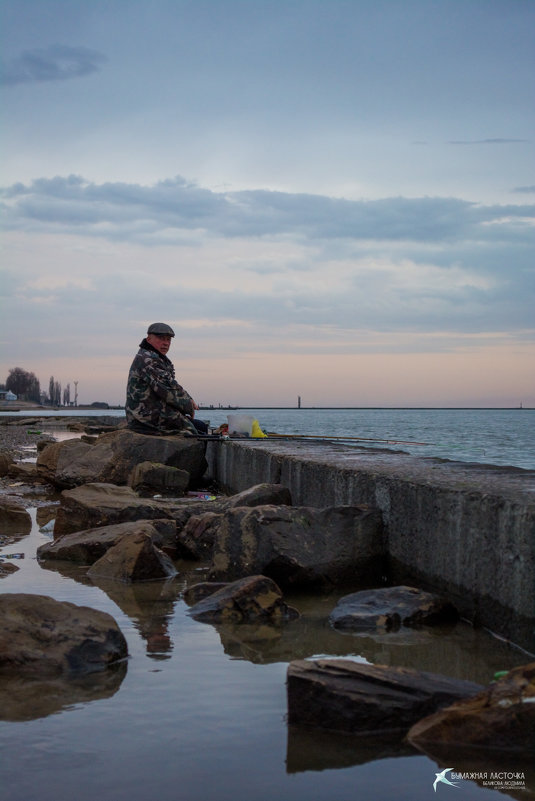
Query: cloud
[310, 271]
[54, 63]
[525, 189]
[496, 141]
[165, 212]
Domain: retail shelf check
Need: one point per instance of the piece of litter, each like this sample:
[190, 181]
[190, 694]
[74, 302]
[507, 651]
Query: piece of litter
[12, 556]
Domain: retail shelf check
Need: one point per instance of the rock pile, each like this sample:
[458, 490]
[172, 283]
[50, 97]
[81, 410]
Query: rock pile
[124, 514]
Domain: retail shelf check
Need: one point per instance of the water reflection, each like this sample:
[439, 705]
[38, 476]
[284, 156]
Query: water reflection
[44, 514]
[457, 651]
[213, 710]
[150, 605]
[29, 698]
[319, 750]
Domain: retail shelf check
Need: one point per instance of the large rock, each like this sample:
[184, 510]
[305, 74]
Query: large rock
[95, 505]
[197, 592]
[148, 478]
[44, 637]
[133, 558]
[391, 607]
[6, 461]
[112, 458]
[85, 547]
[14, 519]
[342, 695]
[26, 472]
[103, 504]
[502, 718]
[251, 598]
[260, 495]
[57, 457]
[197, 535]
[299, 546]
[196, 538]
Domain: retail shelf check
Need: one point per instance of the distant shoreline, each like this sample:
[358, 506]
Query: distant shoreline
[370, 408]
[19, 408]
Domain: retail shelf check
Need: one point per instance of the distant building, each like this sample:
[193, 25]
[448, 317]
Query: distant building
[7, 395]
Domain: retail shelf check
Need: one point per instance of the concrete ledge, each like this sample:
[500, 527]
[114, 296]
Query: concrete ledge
[466, 530]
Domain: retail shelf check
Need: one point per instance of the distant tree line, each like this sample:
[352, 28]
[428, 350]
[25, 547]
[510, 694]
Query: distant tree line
[23, 384]
[26, 387]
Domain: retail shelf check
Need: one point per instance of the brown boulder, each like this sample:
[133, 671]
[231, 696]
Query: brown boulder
[115, 454]
[85, 547]
[197, 592]
[95, 505]
[342, 695]
[45, 514]
[6, 461]
[502, 717]
[147, 478]
[133, 558]
[391, 607]
[27, 472]
[44, 637]
[56, 457]
[260, 495]
[196, 538]
[299, 546]
[251, 598]
[102, 504]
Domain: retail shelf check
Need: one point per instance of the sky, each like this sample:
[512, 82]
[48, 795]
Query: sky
[331, 199]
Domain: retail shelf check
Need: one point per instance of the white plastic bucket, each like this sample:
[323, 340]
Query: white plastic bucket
[240, 424]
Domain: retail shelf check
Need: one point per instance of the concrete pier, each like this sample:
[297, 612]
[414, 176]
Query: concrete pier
[465, 530]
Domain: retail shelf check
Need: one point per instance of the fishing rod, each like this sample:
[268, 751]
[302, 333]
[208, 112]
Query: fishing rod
[345, 439]
[309, 438]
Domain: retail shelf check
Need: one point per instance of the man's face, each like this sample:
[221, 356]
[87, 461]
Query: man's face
[162, 342]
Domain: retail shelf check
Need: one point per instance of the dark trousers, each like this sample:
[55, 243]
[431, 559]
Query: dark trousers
[200, 425]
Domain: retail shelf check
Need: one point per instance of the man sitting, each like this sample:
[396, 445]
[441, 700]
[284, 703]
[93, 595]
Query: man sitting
[155, 402]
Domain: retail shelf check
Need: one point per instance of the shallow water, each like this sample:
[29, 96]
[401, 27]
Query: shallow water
[198, 711]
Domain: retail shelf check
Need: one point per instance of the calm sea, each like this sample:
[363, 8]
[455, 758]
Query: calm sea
[491, 436]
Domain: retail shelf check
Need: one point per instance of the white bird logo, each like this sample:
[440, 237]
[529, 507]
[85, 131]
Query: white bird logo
[441, 777]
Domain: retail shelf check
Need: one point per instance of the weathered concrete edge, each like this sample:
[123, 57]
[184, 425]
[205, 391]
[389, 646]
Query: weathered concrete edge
[464, 530]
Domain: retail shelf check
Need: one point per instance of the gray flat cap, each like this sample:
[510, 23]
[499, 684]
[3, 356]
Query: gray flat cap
[160, 328]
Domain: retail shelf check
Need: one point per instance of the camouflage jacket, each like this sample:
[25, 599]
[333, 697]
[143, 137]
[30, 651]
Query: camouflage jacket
[155, 402]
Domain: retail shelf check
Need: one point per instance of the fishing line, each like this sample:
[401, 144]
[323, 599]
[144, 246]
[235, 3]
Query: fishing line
[312, 438]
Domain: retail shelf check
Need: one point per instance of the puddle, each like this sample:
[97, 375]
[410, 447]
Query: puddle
[198, 711]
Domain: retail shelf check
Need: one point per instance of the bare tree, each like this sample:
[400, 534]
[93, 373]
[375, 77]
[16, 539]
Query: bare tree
[23, 384]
